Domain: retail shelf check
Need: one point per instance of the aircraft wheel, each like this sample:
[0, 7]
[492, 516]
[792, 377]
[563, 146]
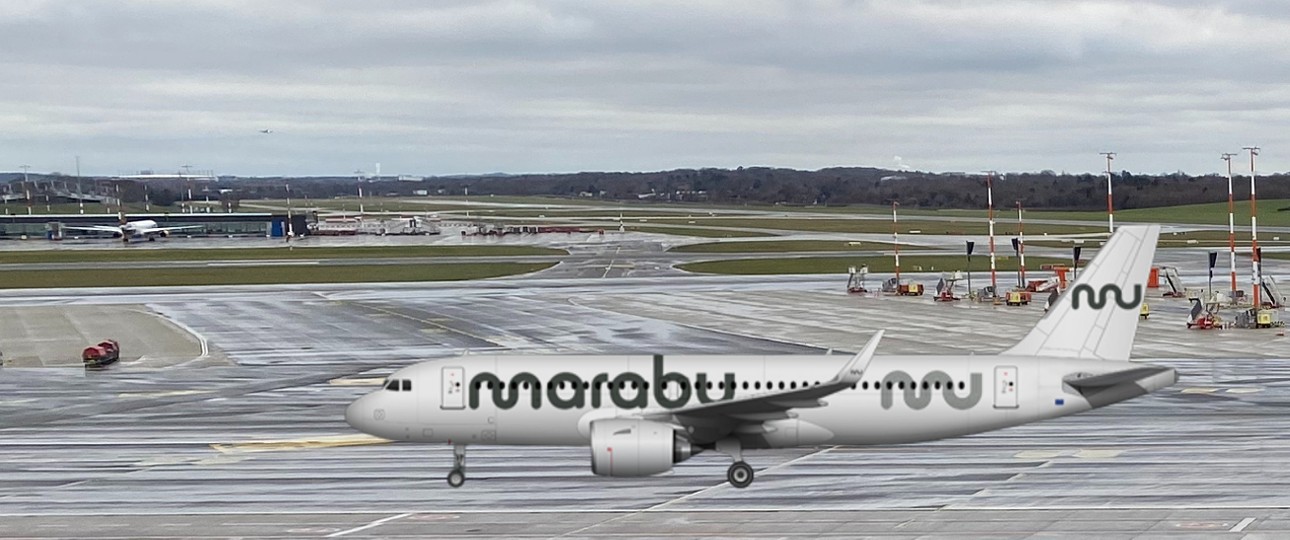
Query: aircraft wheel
[740, 474]
[456, 478]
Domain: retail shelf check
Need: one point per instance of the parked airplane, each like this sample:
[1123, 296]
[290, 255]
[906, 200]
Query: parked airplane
[143, 228]
[642, 414]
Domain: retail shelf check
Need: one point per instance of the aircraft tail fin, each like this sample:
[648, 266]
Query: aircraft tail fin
[1097, 317]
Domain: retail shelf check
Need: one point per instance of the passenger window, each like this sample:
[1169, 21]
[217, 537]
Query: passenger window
[407, 385]
[961, 385]
[792, 385]
[863, 385]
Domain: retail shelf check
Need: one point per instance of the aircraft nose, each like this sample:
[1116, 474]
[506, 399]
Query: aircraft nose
[359, 414]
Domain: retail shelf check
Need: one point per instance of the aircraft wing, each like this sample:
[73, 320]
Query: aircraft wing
[723, 416]
[95, 228]
[154, 230]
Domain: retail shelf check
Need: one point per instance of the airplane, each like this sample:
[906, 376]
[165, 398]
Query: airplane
[143, 228]
[266, 131]
[642, 414]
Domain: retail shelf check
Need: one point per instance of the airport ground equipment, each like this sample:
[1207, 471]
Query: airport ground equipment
[908, 288]
[1144, 311]
[1173, 284]
[1203, 316]
[1258, 318]
[945, 287]
[1052, 299]
[855, 281]
[1018, 298]
[1272, 295]
[101, 355]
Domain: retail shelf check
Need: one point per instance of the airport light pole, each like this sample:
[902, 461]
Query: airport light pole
[1021, 246]
[989, 197]
[1110, 208]
[1231, 222]
[80, 195]
[26, 188]
[188, 179]
[1254, 227]
[359, 174]
[895, 240]
[290, 230]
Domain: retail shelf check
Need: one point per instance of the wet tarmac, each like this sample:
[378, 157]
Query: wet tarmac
[259, 448]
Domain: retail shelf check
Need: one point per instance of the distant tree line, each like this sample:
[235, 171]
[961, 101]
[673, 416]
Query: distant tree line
[762, 185]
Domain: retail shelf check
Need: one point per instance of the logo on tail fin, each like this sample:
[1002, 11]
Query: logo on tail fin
[1098, 300]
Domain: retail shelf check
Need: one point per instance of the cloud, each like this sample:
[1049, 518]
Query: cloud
[521, 86]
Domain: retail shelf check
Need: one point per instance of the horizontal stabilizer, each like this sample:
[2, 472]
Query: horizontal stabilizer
[1083, 381]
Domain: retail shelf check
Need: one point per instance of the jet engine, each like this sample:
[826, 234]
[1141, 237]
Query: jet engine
[633, 447]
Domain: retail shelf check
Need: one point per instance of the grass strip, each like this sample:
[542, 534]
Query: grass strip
[128, 253]
[839, 265]
[259, 275]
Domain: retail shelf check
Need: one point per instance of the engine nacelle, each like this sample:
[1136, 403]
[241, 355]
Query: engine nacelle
[631, 447]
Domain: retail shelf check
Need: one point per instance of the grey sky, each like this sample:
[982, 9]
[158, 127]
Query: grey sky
[441, 87]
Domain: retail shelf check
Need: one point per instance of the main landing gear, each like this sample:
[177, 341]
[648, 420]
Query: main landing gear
[740, 473]
[458, 475]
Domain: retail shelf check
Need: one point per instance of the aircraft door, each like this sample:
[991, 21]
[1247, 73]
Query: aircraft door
[453, 388]
[1005, 387]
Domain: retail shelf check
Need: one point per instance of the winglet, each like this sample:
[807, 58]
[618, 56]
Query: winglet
[850, 373]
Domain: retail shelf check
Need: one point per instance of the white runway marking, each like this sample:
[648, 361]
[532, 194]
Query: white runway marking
[1242, 525]
[376, 523]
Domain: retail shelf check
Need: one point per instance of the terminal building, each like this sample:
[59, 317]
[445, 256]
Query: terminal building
[50, 226]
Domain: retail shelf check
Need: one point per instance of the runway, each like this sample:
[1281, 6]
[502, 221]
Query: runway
[259, 449]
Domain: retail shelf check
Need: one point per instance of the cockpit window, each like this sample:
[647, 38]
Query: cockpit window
[407, 385]
[393, 384]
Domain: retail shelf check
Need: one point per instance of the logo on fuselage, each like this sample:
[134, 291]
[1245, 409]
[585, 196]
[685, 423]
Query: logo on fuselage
[918, 397]
[1098, 299]
[627, 390]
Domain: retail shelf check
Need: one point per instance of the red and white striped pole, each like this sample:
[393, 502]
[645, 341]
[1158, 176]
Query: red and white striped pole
[1110, 208]
[1254, 228]
[1021, 245]
[1231, 221]
[989, 190]
[895, 240]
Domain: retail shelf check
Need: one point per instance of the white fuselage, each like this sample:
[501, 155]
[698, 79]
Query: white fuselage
[138, 228]
[930, 397]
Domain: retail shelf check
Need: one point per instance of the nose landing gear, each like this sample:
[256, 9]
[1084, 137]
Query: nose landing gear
[458, 475]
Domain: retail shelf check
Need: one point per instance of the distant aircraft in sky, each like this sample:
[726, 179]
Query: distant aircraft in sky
[266, 131]
[641, 414]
